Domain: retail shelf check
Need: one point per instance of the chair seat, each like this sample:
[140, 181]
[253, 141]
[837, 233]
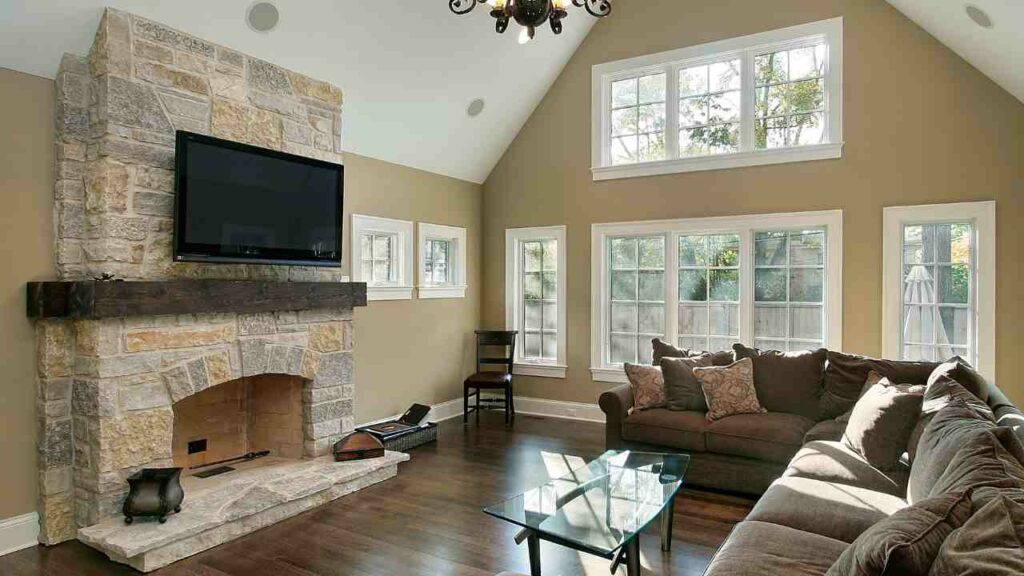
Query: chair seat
[489, 380]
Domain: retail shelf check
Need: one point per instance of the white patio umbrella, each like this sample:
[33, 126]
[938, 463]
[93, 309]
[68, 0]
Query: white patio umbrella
[921, 318]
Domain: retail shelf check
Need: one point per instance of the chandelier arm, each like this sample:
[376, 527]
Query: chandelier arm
[463, 6]
[596, 8]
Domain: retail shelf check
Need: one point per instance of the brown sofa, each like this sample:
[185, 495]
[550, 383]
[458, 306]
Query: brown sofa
[818, 494]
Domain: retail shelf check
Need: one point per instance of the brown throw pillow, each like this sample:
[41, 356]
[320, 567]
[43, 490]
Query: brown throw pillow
[984, 459]
[873, 378]
[845, 375]
[663, 349]
[682, 389]
[950, 428]
[958, 369]
[905, 543]
[787, 381]
[882, 421]
[940, 392]
[647, 384]
[729, 390]
[990, 543]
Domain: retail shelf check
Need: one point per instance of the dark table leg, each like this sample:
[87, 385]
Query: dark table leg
[666, 525]
[633, 557]
[533, 543]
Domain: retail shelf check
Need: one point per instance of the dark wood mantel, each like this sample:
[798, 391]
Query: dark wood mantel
[98, 299]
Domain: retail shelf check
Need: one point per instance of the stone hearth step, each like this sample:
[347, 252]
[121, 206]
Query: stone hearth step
[222, 508]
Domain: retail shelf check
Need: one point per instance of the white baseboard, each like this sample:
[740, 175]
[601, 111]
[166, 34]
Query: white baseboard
[19, 532]
[559, 409]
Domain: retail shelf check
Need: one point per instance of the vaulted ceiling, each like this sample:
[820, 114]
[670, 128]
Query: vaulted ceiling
[409, 69]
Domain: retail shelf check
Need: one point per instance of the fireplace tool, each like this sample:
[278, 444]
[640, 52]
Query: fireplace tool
[248, 456]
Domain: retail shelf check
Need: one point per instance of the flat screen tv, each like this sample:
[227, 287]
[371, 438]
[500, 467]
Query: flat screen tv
[242, 204]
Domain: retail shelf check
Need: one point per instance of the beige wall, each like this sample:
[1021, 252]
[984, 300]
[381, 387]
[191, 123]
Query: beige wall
[406, 351]
[921, 126]
[26, 253]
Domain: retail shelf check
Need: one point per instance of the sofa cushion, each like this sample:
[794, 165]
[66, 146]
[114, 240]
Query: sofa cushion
[882, 421]
[663, 427]
[787, 381]
[845, 375]
[990, 543]
[682, 389]
[950, 428]
[662, 349]
[983, 459]
[729, 390]
[956, 368]
[838, 511]
[761, 548]
[837, 463]
[774, 436]
[647, 384]
[940, 392]
[828, 430]
[906, 542]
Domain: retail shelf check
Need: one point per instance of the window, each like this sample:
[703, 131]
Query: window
[442, 261]
[761, 99]
[939, 283]
[535, 298]
[382, 257]
[773, 281]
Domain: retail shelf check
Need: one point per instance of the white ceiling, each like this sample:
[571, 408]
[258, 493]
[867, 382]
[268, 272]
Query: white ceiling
[998, 51]
[408, 68]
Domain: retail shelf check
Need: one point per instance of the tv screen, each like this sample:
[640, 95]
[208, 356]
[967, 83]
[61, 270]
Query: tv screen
[243, 204]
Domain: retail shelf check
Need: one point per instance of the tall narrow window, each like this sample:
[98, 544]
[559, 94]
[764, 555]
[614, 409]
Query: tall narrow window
[789, 289]
[709, 291]
[381, 256]
[442, 261]
[789, 97]
[637, 312]
[436, 261]
[938, 280]
[535, 299]
[638, 119]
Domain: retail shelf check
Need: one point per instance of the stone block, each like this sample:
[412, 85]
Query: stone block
[111, 51]
[284, 360]
[116, 366]
[185, 107]
[72, 88]
[124, 227]
[326, 337]
[153, 203]
[91, 397]
[164, 339]
[97, 337]
[134, 439]
[55, 481]
[69, 190]
[265, 76]
[297, 132]
[231, 86]
[134, 104]
[332, 410]
[172, 78]
[197, 373]
[54, 348]
[154, 52]
[106, 187]
[71, 220]
[159, 33]
[321, 430]
[51, 389]
[310, 364]
[194, 63]
[137, 153]
[323, 141]
[318, 395]
[54, 409]
[72, 121]
[218, 368]
[322, 91]
[156, 179]
[111, 251]
[178, 383]
[348, 335]
[56, 445]
[230, 57]
[56, 518]
[158, 138]
[285, 105]
[335, 370]
[253, 324]
[190, 125]
[151, 393]
[70, 151]
[243, 123]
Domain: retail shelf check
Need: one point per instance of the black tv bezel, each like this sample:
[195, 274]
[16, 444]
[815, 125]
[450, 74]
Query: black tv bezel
[210, 253]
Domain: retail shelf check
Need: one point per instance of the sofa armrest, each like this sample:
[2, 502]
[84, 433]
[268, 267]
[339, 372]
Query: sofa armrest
[615, 404]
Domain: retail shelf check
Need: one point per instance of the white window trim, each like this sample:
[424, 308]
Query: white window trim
[831, 31]
[831, 220]
[514, 237]
[982, 215]
[456, 288]
[401, 290]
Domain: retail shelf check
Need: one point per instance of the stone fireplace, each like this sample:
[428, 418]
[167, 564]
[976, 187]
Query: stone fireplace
[130, 379]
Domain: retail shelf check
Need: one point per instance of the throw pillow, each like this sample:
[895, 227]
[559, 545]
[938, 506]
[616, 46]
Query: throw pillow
[682, 389]
[787, 381]
[873, 378]
[950, 428]
[663, 349]
[990, 543]
[907, 542]
[729, 390]
[984, 459]
[882, 421]
[958, 369]
[941, 390]
[845, 375]
[647, 385]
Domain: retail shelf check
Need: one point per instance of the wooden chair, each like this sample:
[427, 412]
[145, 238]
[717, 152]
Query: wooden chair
[491, 380]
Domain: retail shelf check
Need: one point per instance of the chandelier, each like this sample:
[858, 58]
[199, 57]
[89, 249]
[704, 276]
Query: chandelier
[531, 13]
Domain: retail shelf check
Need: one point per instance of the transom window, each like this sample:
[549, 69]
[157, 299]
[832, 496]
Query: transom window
[773, 281]
[760, 99]
[535, 299]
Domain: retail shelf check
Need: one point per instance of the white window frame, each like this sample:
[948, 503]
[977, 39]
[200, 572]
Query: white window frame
[456, 285]
[514, 238]
[403, 229]
[982, 216]
[746, 226]
[744, 48]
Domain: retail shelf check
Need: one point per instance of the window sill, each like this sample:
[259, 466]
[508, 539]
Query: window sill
[613, 375]
[721, 161]
[430, 292]
[540, 370]
[388, 293]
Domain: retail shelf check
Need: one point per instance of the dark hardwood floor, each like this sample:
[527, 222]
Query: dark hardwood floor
[428, 522]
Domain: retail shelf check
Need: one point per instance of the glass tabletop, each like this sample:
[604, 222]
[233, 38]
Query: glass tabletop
[600, 506]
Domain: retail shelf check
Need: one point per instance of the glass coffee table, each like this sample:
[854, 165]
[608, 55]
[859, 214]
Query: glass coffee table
[600, 508]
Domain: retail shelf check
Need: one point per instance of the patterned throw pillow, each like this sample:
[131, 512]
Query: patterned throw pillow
[648, 386]
[729, 390]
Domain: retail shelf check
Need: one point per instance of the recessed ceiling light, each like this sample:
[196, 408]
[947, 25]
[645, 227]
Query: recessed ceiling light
[475, 107]
[262, 16]
[980, 17]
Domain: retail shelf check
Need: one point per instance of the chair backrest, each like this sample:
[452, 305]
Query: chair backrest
[489, 339]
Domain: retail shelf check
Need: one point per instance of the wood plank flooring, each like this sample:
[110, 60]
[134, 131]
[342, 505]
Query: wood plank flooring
[428, 522]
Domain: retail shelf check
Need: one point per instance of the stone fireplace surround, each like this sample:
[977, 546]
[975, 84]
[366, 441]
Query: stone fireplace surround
[107, 381]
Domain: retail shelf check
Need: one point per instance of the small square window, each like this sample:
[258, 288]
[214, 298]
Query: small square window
[442, 261]
[382, 257]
